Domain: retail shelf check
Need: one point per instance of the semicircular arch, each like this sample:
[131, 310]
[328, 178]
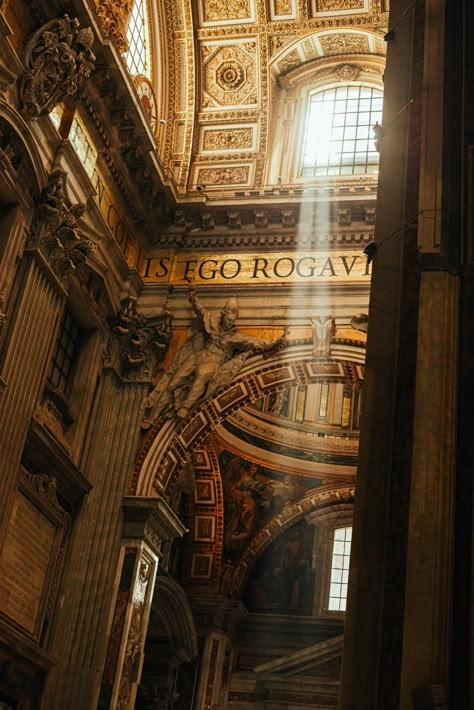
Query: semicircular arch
[169, 445]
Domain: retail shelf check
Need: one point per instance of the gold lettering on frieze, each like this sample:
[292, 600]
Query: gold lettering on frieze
[24, 562]
[255, 269]
[115, 220]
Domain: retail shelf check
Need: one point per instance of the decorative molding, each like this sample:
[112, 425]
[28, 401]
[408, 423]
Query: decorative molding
[58, 59]
[113, 16]
[150, 520]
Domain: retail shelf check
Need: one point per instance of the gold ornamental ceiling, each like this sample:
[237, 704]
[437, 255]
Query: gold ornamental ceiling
[237, 76]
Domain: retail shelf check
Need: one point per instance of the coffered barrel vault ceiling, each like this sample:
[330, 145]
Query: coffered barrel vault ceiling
[236, 74]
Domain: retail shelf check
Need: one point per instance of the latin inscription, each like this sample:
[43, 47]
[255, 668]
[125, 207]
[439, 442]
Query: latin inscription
[326, 267]
[24, 562]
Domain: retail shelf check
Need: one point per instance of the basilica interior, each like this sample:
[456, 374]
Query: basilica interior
[236, 347]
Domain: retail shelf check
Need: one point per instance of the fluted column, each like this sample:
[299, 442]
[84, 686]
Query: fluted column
[79, 637]
[27, 349]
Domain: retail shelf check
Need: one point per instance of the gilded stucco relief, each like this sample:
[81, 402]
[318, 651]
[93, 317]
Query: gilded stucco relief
[243, 44]
[344, 43]
[283, 9]
[330, 7]
[228, 139]
[238, 175]
[220, 11]
[229, 75]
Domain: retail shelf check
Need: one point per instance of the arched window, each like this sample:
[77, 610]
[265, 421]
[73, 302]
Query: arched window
[138, 38]
[338, 137]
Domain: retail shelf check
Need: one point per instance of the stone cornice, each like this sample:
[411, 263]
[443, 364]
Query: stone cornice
[152, 520]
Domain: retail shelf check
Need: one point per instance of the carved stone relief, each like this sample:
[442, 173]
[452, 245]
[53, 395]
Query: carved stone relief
[56, 228]
[140, 342]
[58, 59]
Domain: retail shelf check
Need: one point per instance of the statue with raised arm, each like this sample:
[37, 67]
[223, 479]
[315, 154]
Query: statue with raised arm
[208, 360]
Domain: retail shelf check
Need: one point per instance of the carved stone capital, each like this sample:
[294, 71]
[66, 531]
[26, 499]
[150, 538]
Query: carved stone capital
[113, 16]
[56, 228]
[140, 342]
[152, 520]
[58, 58]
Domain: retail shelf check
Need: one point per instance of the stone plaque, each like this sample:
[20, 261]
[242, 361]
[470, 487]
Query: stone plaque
[25, 559]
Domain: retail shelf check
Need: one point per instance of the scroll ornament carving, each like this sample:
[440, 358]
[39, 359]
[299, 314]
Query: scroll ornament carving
[56, 228]
[58, 59]
[113, 16]
[141, 342]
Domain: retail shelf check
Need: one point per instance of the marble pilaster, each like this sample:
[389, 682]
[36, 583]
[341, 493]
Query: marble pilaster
[26, 352]
[217, 619]
[426, 634]
[88, 590]
[149, 522]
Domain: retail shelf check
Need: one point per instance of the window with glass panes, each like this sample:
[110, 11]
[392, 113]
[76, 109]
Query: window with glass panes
[137, 56]
[339, 138]
[64, 355]
[341, 552]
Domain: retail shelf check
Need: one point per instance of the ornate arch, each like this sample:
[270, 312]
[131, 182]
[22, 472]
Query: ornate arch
[20, 156]
[235, 579]
[176, 616]
[169, 445]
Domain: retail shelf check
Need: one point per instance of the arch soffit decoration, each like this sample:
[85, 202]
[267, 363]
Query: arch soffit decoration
[168, 446]
[172, 608]
[341, 45]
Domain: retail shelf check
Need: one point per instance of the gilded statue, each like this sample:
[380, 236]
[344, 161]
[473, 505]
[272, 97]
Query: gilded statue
[209, 359]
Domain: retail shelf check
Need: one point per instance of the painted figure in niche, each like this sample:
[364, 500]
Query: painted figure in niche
[282, 580]
[208, 360]
[251, 497]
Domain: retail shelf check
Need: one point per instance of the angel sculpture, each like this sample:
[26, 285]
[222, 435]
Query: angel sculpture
[209, 359]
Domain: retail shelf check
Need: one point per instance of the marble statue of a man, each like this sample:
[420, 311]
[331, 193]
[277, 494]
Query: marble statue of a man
[208, 360]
